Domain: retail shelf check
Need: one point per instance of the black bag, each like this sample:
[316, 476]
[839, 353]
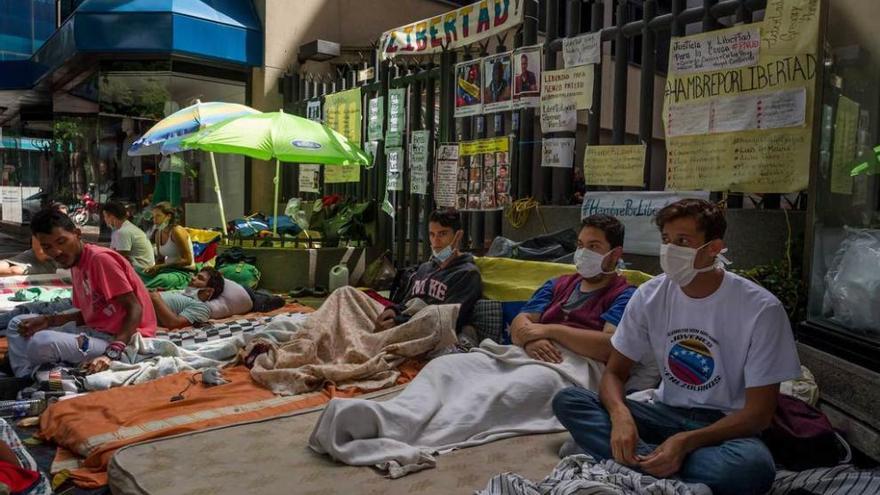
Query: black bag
[234, 256]
[264, 301]
[801, 437]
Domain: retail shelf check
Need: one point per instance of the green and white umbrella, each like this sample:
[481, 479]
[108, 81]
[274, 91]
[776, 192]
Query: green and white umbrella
[282, 137]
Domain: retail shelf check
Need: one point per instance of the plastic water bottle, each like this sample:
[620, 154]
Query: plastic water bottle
[338, 277]
[17, 409]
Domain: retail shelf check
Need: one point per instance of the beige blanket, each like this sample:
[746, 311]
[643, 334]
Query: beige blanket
[338, 344]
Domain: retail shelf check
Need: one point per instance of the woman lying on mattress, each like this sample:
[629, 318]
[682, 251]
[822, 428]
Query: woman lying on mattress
[562, 338]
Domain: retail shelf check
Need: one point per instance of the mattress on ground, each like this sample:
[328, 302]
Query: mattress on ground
[272, 456]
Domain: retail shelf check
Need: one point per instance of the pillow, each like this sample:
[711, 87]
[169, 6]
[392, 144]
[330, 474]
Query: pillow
[488, 320]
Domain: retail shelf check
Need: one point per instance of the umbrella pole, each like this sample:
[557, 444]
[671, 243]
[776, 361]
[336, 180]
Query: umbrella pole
[219, 196]
[275, 203]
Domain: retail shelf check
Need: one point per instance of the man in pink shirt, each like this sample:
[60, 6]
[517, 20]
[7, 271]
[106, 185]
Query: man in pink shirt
[111, 305]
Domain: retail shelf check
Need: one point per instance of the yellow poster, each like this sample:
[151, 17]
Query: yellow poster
[342, 113]
[622, 165]
[846, 125]
[492, 145]
[790, 26]
[758, 143]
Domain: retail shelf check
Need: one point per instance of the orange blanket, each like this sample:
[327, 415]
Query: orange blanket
[93, 426]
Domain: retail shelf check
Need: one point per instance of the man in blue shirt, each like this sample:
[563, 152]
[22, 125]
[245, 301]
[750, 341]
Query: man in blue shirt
[579, 311]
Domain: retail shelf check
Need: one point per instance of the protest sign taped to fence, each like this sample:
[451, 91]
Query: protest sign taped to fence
[418, 161]
[468, 88]
[396, 117]
[557, 152]
[497, 83]
[483, 176]
[636, 210]
[394, 175]
[376, 119]
[446, 175]
[527, 64]
[739, 152]
[615, 165]
[582, 50]
[342, 113]
[309, 178]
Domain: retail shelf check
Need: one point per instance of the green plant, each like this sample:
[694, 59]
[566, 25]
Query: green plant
[784, 282]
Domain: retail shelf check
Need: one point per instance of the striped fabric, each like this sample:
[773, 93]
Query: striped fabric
[581, 475]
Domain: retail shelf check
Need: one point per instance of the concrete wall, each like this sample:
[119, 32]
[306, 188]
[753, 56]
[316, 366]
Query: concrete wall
[754, 237]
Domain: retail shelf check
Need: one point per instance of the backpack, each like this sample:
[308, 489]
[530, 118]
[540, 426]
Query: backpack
[801, 437]
[245, 274]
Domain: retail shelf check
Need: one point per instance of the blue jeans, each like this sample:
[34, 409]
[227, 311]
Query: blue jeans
[52, 346]
[741, 466]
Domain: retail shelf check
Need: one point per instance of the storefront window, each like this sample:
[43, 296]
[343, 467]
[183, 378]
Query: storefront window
[845, 282]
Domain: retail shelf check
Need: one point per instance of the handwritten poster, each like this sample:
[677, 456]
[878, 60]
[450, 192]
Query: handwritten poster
[396, 117]
[747, 112]
[375, 118]
[790, 26]
[394, 176]
[569, 84]
[559, 115]
[636, 210]
[846, 125]
[582, 50]
[446, 175]
[557, 152]
[342, 113]
[418, 159]
[716, 50]
[759, 141]
[617, 165]
[309, 178]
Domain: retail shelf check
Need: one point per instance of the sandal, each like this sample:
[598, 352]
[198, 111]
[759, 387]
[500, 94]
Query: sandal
[300, 292]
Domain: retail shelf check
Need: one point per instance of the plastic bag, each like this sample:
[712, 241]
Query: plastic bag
[853, 282]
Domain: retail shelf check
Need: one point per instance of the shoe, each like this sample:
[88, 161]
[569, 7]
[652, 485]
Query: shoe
[300, 292]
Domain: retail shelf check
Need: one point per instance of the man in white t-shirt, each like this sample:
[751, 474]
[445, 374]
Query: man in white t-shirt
[126, 239]
[724, 345]
[234, 300]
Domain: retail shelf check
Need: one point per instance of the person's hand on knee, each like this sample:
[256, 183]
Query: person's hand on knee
[27, 328]
[97, 365]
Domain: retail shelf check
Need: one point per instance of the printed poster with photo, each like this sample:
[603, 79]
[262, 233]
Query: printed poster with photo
[468, 88]
[527, 65]
[484, 175]
[497, 83]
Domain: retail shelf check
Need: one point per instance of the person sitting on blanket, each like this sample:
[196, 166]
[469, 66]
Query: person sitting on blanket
[126, 239]
[724, 343]
[449, 277]
[112, 301]
[591, 299]
[189, 307]
[176, 261]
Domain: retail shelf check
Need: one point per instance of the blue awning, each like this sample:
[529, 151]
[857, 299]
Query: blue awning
[227, 31]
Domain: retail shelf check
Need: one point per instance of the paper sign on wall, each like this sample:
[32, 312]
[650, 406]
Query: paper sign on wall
[846, 124]
[468, 88]
[497, 83]
[636, 211]
[418, 159]
[396, 117]
[620, 165]
[748, 112]
[394, 176]
[715, 51]
[557, 152]
[559, 115]
[569, 84]
[309, 178]
[790, 26]
[375, 118]
[342, 113]
[446, 175]
[528, 65]
[582, 50]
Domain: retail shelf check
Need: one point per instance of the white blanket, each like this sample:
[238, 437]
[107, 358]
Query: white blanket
[147, 359]
[458, 400]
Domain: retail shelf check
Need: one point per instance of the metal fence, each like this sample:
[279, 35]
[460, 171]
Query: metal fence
[636, 30]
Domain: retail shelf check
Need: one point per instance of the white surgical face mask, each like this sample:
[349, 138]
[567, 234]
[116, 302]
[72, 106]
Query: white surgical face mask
[589, 263]
[678, 263]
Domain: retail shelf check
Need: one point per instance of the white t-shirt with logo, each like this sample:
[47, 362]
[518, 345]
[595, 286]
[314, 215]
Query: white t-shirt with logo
[711, 349]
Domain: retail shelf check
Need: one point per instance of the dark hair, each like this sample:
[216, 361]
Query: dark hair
[610, 226]
[709, 216]
[446, 217]
[215, 281]
[116, 209]
[45, 221]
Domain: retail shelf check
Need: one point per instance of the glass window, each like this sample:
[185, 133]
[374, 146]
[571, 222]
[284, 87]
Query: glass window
[845, 281]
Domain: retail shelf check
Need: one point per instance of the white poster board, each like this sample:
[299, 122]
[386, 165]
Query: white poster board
[636, 211]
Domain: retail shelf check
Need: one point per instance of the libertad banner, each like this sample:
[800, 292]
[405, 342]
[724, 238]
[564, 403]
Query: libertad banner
[453, 29]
